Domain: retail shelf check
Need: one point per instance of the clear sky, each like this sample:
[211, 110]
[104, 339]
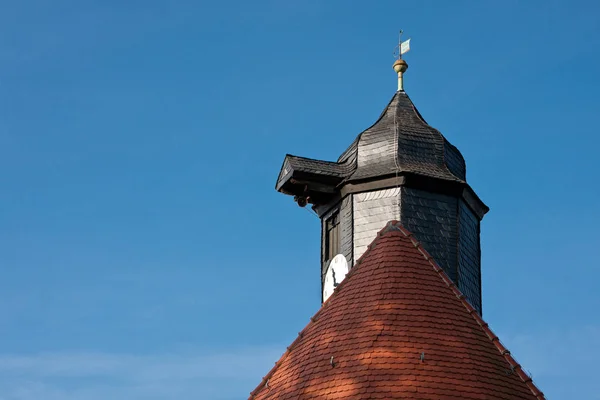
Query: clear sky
[143, 249]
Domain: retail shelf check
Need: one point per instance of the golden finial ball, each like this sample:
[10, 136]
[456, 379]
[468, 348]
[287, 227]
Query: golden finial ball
[400, 66]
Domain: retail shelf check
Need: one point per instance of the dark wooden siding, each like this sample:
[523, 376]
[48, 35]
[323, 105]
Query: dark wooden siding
[324, 218]
[345, 234]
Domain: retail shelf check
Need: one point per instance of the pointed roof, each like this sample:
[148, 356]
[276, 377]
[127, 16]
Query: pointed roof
[400, 142]
[397, 328]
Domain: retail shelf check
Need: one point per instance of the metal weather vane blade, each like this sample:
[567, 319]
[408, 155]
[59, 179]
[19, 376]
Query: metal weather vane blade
[402, 48]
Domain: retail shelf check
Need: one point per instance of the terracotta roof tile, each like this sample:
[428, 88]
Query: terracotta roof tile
[395, 307]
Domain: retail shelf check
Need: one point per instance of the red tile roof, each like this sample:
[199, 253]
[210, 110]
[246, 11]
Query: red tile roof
[397, 328]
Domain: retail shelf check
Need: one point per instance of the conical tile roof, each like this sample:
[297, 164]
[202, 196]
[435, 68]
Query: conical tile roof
[397, 328]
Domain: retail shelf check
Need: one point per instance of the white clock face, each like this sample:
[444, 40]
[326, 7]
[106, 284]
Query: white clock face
[336, 272]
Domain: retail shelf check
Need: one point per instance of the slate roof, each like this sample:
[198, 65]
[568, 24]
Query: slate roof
[317, 166]
[366, 341]
[400, 141]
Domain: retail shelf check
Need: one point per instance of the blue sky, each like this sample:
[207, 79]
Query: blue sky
[144, 251]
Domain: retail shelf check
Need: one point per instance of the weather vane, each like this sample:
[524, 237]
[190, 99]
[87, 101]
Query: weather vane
[403, 47]
[400, 66]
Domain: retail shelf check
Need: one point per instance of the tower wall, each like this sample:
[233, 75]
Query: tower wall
[346, 231]
[444, 224]
[449, 231]
[432, 218]
[372, 210]
[469, 255]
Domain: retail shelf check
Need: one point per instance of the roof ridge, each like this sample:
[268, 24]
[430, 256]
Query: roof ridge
[443, 140]
[393, 226]
[311, 159]
[314, 318]
[515, 366]
[373, 124]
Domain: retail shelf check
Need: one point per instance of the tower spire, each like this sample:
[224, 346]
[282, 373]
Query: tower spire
[400, 66]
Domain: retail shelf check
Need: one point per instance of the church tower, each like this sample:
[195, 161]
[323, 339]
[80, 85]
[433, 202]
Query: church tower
[400, 272]
[400, 168]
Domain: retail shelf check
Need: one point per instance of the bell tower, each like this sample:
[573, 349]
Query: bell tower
[399, 168]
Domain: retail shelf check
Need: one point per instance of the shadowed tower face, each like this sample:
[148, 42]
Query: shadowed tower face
[400, 169]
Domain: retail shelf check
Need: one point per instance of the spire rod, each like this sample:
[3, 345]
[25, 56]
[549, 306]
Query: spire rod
[400, 44]
[400, 66]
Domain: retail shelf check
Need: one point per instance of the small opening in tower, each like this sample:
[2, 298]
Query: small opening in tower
[332, 237]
